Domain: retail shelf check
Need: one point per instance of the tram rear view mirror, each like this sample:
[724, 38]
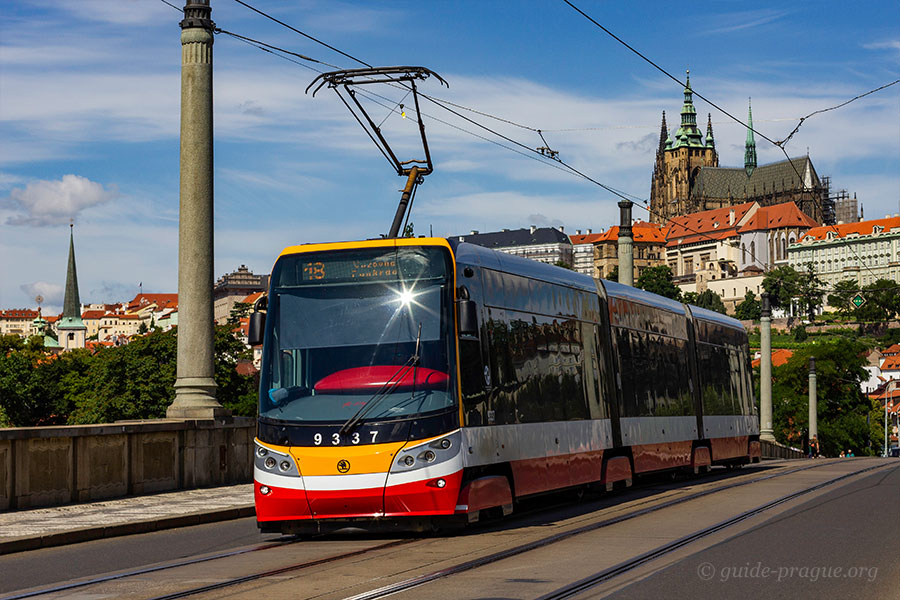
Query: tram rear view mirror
[256, 328]
[468, 317]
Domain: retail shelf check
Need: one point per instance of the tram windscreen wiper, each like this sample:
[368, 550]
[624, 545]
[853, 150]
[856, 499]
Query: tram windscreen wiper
[386, 388]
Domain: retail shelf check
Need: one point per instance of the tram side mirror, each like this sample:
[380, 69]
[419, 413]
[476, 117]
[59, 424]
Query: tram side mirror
[256, 329]
[468, 317]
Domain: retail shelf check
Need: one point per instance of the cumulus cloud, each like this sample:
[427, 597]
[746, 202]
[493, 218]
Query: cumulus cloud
[51, 293]
[44, 203]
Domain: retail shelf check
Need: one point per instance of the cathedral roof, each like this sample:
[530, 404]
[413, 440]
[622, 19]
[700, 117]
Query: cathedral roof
[727, 182]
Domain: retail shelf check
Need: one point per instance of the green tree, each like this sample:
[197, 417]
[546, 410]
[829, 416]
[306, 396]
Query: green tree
[239, 311]
[614, 274]
[843, 411]
[841, 296]
[710, 300]
[659, 281]
[882, 301]
[564, 265]
[236, 392]
[749, 309]
[409, 230]
[810, 292]
[783, 284]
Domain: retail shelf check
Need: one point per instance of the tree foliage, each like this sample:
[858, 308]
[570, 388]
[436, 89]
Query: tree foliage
[710, 300]
[882, 301]
[844, 420]
[749, 309]
[659, 281]
[134, 381]
[783, 284]
[841, 296]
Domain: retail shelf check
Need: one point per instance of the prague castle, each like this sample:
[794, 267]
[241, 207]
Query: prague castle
[687, 177]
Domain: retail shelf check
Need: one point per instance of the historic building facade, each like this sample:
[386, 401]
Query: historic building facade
[687, 178]
[863, 252]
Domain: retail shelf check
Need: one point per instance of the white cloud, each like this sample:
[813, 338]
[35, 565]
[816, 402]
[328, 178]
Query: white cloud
[55, 202]
[51, 293]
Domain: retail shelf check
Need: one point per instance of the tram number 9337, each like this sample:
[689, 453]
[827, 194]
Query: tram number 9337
[336, 438]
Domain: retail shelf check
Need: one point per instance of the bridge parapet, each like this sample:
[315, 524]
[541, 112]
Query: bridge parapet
[49, 466]
[776, 450]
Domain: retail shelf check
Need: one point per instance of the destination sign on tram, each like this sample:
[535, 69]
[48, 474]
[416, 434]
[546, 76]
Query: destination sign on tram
[327, 269]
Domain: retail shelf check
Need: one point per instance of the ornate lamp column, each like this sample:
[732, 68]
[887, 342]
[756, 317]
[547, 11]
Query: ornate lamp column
[765, 371]
[195, 387]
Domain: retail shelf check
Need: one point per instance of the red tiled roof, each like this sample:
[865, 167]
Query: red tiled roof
[779, 357]
[161, 301]
[93, 314]
[891, 363]
[585, 238]
[786, 214]
[252, 298]
[861, 228]
[19, 313]
[706, 225]
[891, 350]
[641, 232]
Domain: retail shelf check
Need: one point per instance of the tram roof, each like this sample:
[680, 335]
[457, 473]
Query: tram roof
[509, 263]
[716, 317]
[618, 290]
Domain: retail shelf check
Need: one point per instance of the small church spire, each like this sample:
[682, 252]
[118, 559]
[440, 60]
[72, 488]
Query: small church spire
[710, 142]
[72, 301]
[688, 134]
[70, 327]
[663, 133]
[750, 145]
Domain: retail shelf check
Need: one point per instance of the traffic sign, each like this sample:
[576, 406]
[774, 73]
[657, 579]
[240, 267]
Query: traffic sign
[858, 300]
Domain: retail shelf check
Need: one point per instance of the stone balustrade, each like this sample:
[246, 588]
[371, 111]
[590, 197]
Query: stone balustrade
[47, 466]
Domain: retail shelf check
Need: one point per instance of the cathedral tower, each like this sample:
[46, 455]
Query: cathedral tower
[678, 161]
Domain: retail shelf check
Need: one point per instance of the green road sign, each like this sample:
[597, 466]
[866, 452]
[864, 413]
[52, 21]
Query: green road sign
[858, 300]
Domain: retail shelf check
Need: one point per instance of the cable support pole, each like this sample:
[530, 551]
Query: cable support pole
[411, 182]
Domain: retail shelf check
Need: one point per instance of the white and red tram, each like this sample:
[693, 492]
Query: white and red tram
[419, 382]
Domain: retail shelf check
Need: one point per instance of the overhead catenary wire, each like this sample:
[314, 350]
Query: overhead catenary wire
[541, 157]
[780, 145]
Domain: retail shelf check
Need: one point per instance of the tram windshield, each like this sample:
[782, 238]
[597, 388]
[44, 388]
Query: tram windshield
[357, 335]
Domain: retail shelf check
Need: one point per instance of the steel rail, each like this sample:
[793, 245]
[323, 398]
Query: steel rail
[596, 579]
[413, 582]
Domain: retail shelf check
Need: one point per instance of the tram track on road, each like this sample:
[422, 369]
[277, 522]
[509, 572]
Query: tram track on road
[598, 578]
[411, 583]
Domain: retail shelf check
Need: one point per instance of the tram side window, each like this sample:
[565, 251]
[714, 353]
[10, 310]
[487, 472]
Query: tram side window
[715, 380]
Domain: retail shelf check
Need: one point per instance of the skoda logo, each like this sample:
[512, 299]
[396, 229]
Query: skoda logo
[343, 466]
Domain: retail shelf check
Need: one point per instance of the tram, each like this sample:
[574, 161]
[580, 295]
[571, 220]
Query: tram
[423, 382]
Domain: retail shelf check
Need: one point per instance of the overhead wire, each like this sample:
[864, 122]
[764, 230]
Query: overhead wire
[541, 157]
[780, 145]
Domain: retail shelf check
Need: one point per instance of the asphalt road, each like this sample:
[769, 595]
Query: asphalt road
[844, 544]
[48, 566]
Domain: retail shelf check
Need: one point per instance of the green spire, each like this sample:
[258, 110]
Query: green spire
[71, 316]
[688, 134]
[710, 142]
[750, 145]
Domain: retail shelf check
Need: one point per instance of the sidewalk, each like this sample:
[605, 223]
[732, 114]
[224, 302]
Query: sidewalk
[58, 525]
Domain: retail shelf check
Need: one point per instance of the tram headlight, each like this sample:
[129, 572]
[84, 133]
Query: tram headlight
[445, 443]
[285, 466]
[429, 456]
[408, 460]
[270, 463]
[260, 451]
[264, 490]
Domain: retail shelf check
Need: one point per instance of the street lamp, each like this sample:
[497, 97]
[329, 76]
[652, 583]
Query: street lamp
[891, 385]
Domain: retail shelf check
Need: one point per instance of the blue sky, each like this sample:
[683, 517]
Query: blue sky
[89, 120]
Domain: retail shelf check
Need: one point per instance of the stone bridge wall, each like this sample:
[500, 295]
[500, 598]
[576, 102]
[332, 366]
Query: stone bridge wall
[47, 466]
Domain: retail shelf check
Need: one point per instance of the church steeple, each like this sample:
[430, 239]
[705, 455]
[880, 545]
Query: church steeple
[72, 302]
[71, 328]
[688, 134]
[750, 144]
[710, 142]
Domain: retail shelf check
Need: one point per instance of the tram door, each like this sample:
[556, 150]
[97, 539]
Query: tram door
[474, 365]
